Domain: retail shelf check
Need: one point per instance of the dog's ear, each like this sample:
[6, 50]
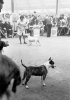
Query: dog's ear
[50, 58]
[21, 61]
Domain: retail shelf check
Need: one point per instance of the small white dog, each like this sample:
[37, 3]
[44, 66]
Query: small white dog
[32, 39]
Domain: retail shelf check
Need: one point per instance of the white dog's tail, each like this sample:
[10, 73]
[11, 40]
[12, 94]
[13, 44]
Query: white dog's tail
[23, 64]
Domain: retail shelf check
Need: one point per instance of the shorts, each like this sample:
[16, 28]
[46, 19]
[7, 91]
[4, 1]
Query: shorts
[20, 33]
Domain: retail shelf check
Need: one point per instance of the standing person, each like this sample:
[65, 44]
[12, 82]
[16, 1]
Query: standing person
[21, 24]
[49, 26]
[45, 25]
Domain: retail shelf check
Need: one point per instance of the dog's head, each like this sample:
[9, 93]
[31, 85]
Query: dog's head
[3, 44]
[51, 63]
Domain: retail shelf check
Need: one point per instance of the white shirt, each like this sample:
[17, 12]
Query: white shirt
[21, 27]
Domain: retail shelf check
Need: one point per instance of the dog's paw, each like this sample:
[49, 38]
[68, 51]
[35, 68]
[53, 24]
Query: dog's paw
[27, 87]
[44, 84]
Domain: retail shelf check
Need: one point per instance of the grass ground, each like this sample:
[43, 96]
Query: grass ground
[58, 79]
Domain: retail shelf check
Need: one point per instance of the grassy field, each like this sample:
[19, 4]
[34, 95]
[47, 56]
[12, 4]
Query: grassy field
[58, 79]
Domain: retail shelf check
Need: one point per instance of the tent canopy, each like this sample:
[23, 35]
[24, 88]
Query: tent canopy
[36, 4]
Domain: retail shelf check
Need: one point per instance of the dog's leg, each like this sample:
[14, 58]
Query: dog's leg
[38, 42]
[24, 76]
[43, 79]
[27, 79]
[30, 43]
[44, 83]
[5, 97]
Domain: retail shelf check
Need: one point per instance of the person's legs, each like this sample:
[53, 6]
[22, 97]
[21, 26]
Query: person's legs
[50, 26]
[49, 30]
[24, 37]
[20, 39]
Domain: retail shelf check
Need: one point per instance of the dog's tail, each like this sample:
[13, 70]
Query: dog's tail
[23, 64]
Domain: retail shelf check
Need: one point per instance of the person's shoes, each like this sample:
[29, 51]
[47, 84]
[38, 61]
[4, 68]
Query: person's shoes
[20, 42]
[25, 43]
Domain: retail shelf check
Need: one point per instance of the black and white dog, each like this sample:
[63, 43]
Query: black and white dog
[41, 70]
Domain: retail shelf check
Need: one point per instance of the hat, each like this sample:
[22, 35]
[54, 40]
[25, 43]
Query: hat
[1, 1]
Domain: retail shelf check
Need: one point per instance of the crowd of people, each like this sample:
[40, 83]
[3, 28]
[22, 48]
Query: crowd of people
[46, 23]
